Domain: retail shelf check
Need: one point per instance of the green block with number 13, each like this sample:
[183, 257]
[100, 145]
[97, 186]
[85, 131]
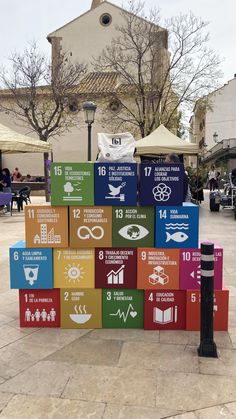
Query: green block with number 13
[72, 184]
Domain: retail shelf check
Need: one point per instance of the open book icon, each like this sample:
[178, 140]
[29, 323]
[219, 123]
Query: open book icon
[165, 316]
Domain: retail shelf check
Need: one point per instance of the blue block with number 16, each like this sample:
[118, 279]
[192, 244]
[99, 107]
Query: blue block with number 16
[177, 227]
[30, 268]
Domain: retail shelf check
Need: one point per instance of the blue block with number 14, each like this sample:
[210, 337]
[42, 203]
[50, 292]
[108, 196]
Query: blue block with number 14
[177, 227]
[30, 268]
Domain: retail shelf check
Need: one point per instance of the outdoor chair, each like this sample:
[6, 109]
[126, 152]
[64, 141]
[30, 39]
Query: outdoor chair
[22, 195]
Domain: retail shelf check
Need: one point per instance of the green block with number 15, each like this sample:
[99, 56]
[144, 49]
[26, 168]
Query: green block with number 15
[72, 184]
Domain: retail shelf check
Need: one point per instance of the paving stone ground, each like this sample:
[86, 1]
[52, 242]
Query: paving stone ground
[115, 374]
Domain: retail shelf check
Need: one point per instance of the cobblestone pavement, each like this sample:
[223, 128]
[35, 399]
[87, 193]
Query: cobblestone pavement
[115, 373]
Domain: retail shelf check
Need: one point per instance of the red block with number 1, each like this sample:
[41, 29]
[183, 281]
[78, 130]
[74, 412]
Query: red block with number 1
[39, 308]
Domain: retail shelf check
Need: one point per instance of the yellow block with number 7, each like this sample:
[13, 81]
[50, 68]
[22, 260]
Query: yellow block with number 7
[73, 268]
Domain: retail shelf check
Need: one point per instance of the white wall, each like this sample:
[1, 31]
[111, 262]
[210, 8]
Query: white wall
[85, 37]
[222, 119]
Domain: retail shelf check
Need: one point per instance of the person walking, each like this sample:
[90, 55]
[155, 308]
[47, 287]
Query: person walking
[212, 178]
[6, 183]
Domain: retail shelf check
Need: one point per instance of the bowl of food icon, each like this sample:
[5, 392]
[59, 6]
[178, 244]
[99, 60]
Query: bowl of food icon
[80, 318]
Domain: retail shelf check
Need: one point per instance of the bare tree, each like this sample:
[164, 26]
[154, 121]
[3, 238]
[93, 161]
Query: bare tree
[162, 72]
[38, 95]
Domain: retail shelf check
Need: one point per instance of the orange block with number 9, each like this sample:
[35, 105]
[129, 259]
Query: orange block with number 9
[46, 226]
[158, 268]
[221, 308]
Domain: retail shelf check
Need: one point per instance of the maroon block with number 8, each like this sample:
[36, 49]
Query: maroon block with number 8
[115, 267]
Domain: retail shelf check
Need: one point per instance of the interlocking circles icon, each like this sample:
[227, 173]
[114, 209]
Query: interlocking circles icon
[95, 232]
[161, 192]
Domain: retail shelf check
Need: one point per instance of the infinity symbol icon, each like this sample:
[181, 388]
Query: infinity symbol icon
[90, 231]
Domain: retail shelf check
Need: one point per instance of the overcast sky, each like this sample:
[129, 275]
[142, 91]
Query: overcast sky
[25, 20]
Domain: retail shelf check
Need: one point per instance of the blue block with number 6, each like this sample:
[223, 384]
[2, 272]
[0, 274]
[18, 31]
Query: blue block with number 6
[177, 227]
[30, 268]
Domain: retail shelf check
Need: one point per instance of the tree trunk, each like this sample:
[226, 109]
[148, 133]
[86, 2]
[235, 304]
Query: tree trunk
[46, 177]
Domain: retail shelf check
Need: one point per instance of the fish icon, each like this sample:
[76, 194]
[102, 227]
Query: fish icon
[178, 237]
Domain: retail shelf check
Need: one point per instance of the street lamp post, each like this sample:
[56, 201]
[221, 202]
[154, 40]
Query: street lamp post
[89, 109]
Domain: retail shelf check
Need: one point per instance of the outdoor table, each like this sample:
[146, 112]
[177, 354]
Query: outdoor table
[5, 199]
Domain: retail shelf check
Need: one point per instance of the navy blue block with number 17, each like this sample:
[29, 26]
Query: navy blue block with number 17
[161, 184]
[115, 184]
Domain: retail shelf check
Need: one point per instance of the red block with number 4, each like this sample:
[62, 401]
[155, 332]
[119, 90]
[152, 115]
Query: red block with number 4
[165, 310]
[39, 308]
[221, 308]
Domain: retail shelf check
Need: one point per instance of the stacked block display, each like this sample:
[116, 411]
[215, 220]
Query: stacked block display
[108, 253]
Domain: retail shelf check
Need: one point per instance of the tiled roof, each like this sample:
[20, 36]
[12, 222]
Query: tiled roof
[99, 82]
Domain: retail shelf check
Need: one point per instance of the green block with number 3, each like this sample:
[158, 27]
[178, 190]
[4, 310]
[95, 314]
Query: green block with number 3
[133, 227]
[122, 308]
[72, 184]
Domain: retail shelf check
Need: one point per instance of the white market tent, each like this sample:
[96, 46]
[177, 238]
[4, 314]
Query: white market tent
[13, 142]
[162, 141]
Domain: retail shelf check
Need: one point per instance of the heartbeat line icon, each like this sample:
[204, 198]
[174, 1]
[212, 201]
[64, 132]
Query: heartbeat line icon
[121, 314]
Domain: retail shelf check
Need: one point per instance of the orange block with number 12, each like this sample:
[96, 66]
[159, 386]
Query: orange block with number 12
[46, 226]
[90, 227]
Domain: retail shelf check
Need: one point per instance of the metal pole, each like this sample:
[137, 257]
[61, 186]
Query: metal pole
[89, 141]
[207, 345]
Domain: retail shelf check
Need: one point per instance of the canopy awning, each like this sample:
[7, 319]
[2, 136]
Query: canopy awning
[162, 141]
[13, 142]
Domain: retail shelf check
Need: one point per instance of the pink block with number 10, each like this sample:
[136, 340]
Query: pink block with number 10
[190, 268]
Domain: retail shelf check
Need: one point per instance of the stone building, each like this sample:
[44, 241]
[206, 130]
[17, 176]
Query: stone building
[83, 39]
[213, 126]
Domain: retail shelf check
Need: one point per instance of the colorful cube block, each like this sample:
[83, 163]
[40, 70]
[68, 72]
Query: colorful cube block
[46, 226]
[122, 309]
[73, 268]
[90, 227]
[115, 183]
[72, 184]
[165, 310]
[158, 268]
[133, 227]
[190, 268]
[39, 308]
[30, 268]
[177, 227]
[220, 307]
[81, 308]
[115, 268]
[161, 184]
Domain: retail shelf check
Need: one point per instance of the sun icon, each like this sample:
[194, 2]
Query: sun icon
[74, 273]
